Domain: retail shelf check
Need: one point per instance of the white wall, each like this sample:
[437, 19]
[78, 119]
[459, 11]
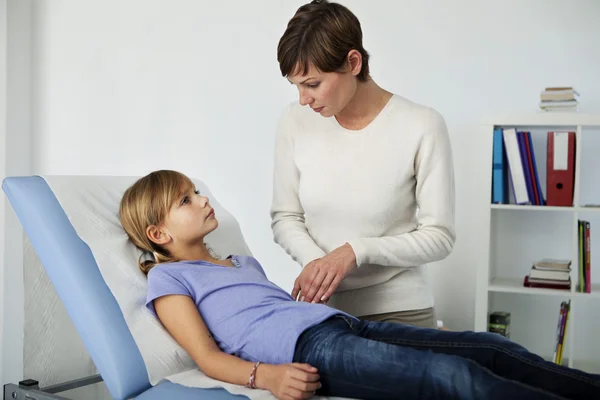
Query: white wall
[3, 31]
[15, 134]
[127, 87]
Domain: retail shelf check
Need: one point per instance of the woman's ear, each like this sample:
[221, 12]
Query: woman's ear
[354, 60]
[157, 235]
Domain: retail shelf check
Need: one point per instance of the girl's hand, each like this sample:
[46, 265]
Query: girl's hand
[288, 381]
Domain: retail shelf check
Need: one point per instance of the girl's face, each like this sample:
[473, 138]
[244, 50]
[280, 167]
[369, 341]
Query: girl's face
[190, 218]
[326, 93]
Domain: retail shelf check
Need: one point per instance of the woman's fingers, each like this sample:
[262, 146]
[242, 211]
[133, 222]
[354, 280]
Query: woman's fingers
[320, 296]
[332, 288]
[313, 286]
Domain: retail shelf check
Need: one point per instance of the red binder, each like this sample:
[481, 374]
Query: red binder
[560, 172]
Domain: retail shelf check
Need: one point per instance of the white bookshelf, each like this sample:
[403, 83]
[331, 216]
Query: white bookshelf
[514, 236]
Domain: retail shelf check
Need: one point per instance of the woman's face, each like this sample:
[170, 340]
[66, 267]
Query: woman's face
[327, 93]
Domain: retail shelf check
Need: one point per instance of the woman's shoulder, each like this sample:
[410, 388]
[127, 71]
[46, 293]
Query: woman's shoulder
[416, 119]
[419, 112]
[298, 116]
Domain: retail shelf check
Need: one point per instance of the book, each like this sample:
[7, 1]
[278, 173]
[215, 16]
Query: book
[584, 283]
[546, 284]
[561, 330]
[552, 263]
[552, 275]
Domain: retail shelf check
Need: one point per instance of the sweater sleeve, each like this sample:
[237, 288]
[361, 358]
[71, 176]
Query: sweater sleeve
[287, 215]
[434, 237]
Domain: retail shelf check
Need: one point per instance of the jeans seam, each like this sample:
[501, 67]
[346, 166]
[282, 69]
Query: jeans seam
[515, 382]
[490, 373]
[351, 383]
[487, 346]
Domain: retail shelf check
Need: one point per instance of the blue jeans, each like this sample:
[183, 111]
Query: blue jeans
[379, 360]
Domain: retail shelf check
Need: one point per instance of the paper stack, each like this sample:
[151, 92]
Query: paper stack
[559, 99]
[549, 273]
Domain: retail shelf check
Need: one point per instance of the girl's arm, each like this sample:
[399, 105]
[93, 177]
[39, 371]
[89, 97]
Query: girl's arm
[181, 318]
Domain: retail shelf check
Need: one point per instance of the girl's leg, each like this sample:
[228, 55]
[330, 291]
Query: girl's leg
[492, 351]
[353, 366]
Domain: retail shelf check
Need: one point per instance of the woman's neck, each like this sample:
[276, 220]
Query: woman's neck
[366, 104]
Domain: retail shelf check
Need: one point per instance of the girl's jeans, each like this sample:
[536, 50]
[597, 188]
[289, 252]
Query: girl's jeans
[379, 360]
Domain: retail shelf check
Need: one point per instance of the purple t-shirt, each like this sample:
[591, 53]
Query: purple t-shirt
[248, 316]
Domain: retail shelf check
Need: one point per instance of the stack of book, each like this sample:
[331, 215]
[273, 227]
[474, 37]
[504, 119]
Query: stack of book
[559, 99]
[550, 274]
[561, 330]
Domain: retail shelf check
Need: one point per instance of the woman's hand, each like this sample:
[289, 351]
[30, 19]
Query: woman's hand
[288, 381]
[320, 278]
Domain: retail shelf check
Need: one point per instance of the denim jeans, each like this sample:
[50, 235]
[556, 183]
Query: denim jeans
[379, 360]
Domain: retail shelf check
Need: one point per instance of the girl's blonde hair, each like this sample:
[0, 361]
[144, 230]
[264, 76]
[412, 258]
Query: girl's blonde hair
[147, 202]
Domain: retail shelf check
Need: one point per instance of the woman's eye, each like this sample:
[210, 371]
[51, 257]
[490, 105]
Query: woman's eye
[313, 85]
[197, 191]
[185, 200]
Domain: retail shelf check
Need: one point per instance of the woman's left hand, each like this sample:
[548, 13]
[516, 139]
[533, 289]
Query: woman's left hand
[320, 278]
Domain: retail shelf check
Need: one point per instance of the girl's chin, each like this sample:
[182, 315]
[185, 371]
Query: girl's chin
[211, 223]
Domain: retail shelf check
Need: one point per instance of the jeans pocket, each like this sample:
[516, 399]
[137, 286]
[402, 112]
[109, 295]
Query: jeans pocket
[347, 320]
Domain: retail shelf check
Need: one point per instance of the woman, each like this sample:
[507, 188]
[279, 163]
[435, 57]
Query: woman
[363, 191]
[231, 319]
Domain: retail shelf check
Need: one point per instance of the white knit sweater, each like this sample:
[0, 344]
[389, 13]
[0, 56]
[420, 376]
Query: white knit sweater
[387, 190]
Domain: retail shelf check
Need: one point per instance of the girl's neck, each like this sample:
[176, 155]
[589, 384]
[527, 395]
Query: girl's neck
[366, 104]
[198, 252]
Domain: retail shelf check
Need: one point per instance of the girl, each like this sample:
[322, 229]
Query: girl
[241, 328]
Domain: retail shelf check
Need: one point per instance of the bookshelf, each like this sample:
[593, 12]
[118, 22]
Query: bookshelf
[512, 237]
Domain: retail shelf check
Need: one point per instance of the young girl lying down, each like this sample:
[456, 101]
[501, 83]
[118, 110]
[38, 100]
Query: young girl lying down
[241, 328]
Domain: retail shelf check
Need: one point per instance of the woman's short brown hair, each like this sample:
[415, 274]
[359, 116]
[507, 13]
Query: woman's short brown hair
[321, 33]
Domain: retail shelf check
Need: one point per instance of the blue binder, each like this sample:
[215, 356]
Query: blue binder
[499, 174]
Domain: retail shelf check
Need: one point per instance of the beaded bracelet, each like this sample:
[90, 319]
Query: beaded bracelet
[252, 380]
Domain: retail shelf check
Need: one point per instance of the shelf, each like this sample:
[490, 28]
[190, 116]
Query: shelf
[515, 285]
[512, 235]
[544, 119]
[516, 207]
